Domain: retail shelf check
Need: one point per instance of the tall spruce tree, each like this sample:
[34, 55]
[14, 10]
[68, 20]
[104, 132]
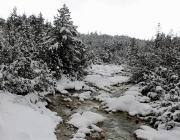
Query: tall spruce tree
[68, 50]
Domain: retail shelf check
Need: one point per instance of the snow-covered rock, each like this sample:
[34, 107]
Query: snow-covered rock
[126, 103]
[84, 121]
[64, 84]
[83, 96]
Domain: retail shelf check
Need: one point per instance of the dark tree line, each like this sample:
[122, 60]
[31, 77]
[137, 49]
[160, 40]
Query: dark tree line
[109, 49]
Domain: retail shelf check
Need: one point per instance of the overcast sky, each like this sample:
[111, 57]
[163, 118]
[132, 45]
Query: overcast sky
[135, 18]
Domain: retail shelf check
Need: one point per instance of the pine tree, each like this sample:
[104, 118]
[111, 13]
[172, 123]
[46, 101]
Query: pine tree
[68, 50]
[22, 70]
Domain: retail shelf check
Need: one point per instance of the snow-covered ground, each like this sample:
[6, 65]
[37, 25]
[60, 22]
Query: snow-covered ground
[102, 76]
[105, 82]
[148, 133]
[106, 70]
[134, 103]
[26, 118]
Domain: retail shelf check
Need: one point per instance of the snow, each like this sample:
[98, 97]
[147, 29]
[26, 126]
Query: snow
[94, 117]
[126, 103]
[101, 76]
[32, 97]
[27, 118]
[133, 93]
[134, 103]
[62, 29]
[104, 82]
[64, 84]
[83, 96]
[55, 46]
[158, 88]
[135, 88]
[163, 112]
[84, 121]
[102, 96]
[130, 101]
[64, 37]
[3, 130]
[106, 70]
[148, 133]
[67, 100]
[153, 95]
[79, 136]
[22, 120]
[1, 75]
[138, 95]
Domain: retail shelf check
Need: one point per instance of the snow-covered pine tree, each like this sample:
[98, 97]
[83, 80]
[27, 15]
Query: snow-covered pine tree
[22, 71]
[68, 51]
[37, 25]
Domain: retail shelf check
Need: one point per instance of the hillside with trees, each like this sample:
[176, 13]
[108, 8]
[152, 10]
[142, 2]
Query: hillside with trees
[65, 84]
[109, 49]
[34, 53]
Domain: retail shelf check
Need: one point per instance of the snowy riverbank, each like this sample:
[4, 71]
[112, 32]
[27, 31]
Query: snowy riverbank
[27, 118]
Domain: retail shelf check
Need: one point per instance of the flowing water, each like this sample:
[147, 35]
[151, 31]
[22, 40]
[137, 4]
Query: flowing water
[116, 126]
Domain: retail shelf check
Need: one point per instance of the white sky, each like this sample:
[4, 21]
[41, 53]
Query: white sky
[135, 18]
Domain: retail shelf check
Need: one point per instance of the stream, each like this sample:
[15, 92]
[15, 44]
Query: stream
[116, 126]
